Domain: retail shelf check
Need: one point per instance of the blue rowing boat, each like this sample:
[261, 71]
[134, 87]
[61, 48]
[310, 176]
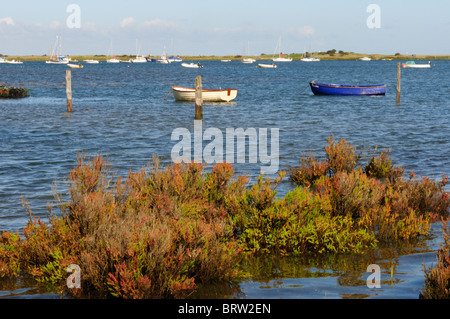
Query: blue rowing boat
[337, 89]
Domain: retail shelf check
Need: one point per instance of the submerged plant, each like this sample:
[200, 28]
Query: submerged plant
[437, 278]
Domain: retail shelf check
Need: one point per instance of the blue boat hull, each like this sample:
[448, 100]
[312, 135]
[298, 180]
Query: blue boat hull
[336, 89]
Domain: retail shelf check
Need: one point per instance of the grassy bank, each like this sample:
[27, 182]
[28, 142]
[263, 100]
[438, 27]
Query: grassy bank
[162, 232]
[295, 56]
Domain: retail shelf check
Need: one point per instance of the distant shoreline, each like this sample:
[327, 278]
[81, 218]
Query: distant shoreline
[295, 56]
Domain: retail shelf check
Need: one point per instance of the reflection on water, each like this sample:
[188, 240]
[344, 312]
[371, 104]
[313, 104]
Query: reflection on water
[334, 276]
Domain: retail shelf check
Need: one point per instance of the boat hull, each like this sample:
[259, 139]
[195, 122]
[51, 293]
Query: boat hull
[74, 66]
[282, 60]
[347, 90]
[91, 61]
[416, 66]
[310, 60]
[188, 94]
[57, 62]
[268, 66]
[191, 65]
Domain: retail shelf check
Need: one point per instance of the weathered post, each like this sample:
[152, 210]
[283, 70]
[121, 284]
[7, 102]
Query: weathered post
[69, 90]
[198, 98]
[399, 78]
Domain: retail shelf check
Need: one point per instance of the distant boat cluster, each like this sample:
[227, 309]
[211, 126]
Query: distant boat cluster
[2, 60]
[138, 59]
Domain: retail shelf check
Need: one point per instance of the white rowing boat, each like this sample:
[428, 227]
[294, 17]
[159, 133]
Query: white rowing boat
[267, 66]
[310, 59]
[13, 62]
[413, 65]
[248, 60]
[74, 66]
[192, 65]
[188, 94]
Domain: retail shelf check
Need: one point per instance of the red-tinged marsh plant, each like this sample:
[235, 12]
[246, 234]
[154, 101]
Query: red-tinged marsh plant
[341, 155]
[309, 171]
[423, 195]
[160, 233]
[381, 167]
[156, 235]
[301, 222]
[352, 194]
[377, 194]
[437, 277]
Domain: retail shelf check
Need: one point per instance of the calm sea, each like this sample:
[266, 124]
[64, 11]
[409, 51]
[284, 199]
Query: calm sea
[124, 111]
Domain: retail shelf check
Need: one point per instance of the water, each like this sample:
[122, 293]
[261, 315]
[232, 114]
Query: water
[123, 111]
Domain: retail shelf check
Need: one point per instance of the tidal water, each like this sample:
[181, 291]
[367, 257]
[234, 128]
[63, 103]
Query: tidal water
[126, 112]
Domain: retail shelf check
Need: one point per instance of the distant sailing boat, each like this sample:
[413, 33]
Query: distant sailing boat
[281, 57]
[57, 58]
[307, 58]
[139, 58]
[248, 59]
[163, 59]
[110, 59]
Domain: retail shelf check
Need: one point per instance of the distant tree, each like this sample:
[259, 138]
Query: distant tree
[397, 54]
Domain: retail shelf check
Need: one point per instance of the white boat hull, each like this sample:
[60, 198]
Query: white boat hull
[191, 65]
[139, 60]
[282, 60]
[188, 94]
[416, 66]
[267, 66]
[248, 60]
[310, 60]
[13, 62]
[74, 66]
[57, 62]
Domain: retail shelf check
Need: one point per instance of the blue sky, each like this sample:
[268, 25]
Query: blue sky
[201, 27]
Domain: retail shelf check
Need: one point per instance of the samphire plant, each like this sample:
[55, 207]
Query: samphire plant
[163, 232]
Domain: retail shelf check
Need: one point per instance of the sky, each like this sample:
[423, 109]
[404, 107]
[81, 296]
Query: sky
[231, 27]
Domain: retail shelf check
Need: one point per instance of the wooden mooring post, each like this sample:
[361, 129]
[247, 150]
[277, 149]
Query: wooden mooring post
[69, 90]
[399, 80]
[198, 98]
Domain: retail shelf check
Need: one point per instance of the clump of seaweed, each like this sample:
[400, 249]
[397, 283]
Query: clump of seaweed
[13, 92]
